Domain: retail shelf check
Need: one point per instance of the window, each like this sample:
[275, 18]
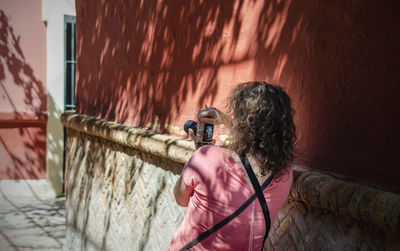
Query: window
[69, 62]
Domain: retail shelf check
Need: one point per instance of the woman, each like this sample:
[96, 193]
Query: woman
[214, 182]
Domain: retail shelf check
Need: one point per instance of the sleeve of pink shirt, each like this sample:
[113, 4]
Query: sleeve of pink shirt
[191, 173]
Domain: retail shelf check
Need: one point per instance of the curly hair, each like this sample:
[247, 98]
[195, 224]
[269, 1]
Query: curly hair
[263, 125]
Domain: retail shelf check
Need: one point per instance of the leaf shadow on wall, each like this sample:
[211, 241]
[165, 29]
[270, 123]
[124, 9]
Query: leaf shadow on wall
[337, 61]
[23, 141]
[133, 63]
[138, 60]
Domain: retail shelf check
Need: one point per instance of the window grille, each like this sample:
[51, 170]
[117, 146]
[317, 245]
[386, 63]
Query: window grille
[69, 62]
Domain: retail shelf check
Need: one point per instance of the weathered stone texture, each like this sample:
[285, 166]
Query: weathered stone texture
[300, 226]
[119, 197]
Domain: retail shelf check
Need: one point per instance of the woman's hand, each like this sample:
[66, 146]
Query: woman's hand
[196, 140]
[214, 116]
[194, 137]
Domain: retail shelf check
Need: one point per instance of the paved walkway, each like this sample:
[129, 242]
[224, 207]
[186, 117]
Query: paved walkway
[31, 224]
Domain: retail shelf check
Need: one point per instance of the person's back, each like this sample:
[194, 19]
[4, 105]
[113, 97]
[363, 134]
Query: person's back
[219, 188]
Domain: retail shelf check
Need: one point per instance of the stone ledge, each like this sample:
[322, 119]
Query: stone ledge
[366, 204]
[373, 206]
[166, 146]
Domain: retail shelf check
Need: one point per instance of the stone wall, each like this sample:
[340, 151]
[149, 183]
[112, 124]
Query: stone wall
[119, 183]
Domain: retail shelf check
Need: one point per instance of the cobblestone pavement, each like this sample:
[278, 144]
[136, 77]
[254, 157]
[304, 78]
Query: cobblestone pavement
[31, 224]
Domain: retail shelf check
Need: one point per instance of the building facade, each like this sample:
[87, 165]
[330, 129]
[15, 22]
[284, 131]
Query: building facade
[32, 96]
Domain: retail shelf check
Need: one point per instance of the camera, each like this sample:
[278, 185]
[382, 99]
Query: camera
[203, 132]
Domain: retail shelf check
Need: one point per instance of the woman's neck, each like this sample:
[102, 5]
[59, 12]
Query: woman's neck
[256, 164]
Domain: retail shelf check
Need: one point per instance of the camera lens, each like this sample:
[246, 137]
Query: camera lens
[190, 124]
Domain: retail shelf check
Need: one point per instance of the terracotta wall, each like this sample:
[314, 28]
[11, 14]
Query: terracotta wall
[22, 90]
[160, 61]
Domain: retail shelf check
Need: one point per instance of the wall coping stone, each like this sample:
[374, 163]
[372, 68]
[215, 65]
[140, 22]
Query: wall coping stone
[370, 205]
[166, 146]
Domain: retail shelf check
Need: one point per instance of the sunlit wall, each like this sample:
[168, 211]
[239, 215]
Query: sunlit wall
[155, 63]
[22, 90]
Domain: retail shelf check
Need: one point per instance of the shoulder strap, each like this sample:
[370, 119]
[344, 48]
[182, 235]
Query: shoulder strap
[228, 219]
[259, 194]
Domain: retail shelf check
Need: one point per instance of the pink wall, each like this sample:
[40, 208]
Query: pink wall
[22, 90]
[336, 59]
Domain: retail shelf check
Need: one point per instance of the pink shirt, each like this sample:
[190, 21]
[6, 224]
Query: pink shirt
[219, 189]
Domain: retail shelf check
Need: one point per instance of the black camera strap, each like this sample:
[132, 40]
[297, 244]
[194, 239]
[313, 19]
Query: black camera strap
[258, 193]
